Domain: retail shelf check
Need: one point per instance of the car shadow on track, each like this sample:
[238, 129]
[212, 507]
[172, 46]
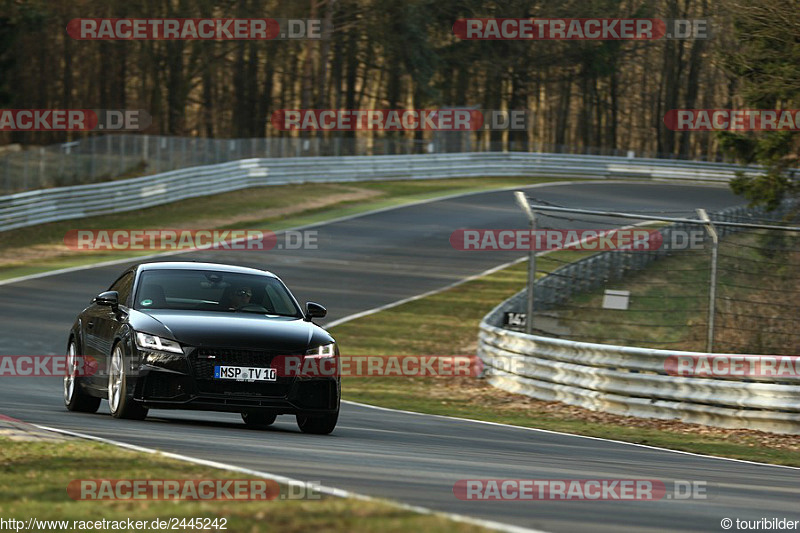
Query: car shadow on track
[219, 424]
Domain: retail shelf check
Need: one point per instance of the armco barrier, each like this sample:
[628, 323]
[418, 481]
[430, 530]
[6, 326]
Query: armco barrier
[630, 381]
[625, 380]
[79, 201]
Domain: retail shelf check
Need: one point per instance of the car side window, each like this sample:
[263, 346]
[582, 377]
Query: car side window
[280, 302]
[123, 286]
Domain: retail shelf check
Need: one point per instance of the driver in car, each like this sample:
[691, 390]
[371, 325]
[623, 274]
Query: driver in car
[236, 298]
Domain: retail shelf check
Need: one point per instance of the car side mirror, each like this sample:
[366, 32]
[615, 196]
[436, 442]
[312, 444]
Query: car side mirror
[314, 310]
[108, 298]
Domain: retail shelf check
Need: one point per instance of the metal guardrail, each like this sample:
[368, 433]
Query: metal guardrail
[631, 382]
[615, 379]
[79, 201]
[99, 158]
[625, 380]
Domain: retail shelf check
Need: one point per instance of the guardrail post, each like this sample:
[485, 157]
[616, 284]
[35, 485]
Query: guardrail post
[712, 292]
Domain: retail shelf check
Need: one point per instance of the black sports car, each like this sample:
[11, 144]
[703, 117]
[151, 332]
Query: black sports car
[185, 335]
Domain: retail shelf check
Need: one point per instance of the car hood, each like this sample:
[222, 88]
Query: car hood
[231, 330]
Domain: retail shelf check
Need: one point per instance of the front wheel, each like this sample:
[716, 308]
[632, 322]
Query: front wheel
[74, 396]
[318, 425]
[120, 398]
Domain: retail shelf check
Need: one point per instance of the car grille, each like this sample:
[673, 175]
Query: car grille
[165, 386]
[203, 361]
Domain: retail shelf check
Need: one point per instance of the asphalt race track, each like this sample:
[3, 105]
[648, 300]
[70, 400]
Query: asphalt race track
[373, 260]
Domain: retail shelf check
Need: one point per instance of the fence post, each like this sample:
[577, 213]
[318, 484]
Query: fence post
[108, 157]
[93, 163]
[121, 154]
[25, 170]
[523, 203]
[42, 155]
[712, 292]
[158, 154]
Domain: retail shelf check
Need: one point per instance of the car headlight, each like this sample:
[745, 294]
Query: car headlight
[145, 341]
[326, 350]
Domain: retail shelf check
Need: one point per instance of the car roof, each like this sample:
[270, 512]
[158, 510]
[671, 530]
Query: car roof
[197, 265]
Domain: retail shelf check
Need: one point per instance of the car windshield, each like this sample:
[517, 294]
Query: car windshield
[209, 290]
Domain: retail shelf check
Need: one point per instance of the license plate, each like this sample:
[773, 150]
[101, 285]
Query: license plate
[244, 373]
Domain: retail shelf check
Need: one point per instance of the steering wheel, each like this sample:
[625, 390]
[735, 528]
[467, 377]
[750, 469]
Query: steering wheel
[253, 307]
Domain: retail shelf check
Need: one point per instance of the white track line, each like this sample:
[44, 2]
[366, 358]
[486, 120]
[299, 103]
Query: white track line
[486, 273]
[460, 282]
[331, 491]
[500, 424]
[297, 228]
[425, 294]
[341, 492]
[342, 219]
[435, 291]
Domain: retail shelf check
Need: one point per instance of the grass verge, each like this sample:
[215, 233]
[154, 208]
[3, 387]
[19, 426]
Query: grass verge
[756, 301]
[36, 474]
[41, 248]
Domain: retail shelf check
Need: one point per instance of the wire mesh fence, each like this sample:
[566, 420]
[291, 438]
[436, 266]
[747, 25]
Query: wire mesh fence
[660, 295]
[102, 158]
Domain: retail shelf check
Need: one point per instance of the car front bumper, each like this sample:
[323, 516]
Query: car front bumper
[160, 388]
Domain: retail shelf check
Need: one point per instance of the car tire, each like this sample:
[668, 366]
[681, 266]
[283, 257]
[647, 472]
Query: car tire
[75, 398]
[258, 420]
[120, 397]
[318, 425]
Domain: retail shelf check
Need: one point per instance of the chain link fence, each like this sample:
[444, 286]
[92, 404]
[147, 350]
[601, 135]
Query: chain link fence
[103, 158]
[741, 295]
